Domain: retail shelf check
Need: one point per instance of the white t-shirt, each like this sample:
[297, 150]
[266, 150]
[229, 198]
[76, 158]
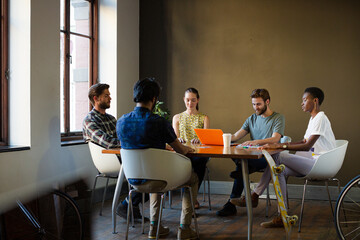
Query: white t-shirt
[320, 125]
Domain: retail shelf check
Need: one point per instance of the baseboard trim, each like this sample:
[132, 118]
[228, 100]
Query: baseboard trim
[313, 192]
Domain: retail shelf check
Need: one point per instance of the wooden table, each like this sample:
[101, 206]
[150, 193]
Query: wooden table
[244, 154]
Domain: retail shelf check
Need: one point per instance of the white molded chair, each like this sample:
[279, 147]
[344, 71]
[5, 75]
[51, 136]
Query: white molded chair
[171, 168]
[108, 166]
[324, 169]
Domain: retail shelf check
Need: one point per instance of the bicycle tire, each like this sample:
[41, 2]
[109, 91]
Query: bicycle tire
[57, 214]
[347, 211]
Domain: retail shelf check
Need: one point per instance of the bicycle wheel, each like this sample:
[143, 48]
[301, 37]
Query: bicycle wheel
[347, 211]
[54, 216]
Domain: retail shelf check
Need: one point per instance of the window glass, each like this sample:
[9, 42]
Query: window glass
[62, 17]
[79, 16]
[79, 81]
[77, 62]
[62, 79]
[4, 114]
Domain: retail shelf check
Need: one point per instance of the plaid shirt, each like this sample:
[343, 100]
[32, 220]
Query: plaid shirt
[101, 129]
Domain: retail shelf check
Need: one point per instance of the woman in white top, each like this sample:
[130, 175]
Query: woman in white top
[318, 139]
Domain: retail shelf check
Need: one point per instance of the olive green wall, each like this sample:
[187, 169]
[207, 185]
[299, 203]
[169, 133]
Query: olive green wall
[227, 48]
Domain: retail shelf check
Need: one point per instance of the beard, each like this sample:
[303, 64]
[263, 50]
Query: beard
[153, 106]
[104, 105]
[261, 111]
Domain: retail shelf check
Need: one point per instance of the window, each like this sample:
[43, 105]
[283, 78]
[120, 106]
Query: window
[4, 119]
[78, 63]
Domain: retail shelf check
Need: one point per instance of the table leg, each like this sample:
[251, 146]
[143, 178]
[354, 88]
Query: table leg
[245, 173]
[119, 184]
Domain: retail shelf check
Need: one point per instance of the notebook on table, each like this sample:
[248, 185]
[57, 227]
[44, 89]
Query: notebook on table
[210, 136]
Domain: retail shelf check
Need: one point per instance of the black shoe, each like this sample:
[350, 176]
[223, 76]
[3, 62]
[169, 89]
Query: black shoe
[121, 210]
[228, 209]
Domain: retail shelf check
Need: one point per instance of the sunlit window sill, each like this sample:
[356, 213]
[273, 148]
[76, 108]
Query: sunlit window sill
[13, 148]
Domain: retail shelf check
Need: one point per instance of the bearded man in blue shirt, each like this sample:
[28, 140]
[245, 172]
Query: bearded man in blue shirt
[141, 129]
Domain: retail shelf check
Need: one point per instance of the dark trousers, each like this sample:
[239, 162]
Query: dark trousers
[199, 166]
[254, 165]
[136, 196]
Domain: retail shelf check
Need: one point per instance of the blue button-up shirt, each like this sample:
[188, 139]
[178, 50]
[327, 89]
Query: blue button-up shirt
[141, 129]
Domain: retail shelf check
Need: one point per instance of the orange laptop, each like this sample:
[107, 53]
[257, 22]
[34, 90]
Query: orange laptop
[210, 136]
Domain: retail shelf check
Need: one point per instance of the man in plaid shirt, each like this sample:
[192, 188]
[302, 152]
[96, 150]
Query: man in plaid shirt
[100, 128]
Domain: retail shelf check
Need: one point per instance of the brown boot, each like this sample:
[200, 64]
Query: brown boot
[153, 230]
[276, 222]
[241, 202]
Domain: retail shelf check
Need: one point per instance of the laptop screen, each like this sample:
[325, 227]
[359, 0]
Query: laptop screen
[210, 136]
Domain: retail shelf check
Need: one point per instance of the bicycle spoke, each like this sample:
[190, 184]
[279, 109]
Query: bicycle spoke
[347, 212]
[350, 210]
[353, 232]
[353, 201]
[350, 222]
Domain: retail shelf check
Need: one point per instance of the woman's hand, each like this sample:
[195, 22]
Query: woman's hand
[182, 140]
[270, 145]
[195, 141]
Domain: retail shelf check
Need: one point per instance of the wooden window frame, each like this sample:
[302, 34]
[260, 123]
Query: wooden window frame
[67, 135]
[4, 73]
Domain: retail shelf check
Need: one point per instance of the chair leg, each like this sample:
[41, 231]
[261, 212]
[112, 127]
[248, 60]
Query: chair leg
[287, 194]
[338, 184]
[142, 213]
[131, 206]
[160, 214]
[93, 190]
[170, 199]
[302, 205]
[327, 189]
[209, 193]
[104, 195]
[193, 209]
[204, 190]
[339, 190]
[128, 214]
[267, 202]
[164, 198]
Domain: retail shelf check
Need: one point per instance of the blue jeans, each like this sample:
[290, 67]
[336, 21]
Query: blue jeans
[254, 165]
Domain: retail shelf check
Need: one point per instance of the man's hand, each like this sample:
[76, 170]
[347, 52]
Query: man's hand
[250, 143]
[188, 150]
[180, 148]
[195, 141]
[168, 147]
